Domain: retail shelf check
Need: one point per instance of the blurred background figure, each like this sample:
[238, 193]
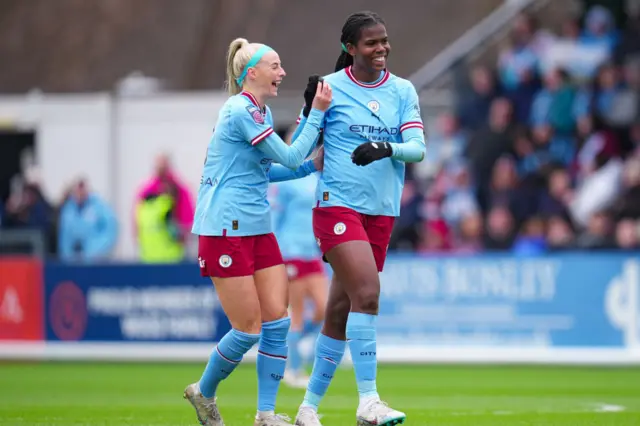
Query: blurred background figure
[161, 235]
[88, 228]
[27, 209]
[165, 178]
[291, 203]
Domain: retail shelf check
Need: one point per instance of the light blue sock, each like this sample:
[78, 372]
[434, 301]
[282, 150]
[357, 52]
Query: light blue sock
[329, 353]
[272, 360]
[361, 335]
[224, 359]
[295, 359]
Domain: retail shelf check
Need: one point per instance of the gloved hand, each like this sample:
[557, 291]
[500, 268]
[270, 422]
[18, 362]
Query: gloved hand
[310, 93]
[369, 152]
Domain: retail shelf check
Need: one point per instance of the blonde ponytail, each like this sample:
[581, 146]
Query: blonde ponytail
[234, 67]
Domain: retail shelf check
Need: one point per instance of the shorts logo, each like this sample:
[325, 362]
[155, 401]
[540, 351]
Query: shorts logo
[374, 106]
[256, 114]
[201, 262]
[318, 241]
[340, 228]
[225, 261]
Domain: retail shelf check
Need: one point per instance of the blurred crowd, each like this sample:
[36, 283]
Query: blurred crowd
[83, 227]
[541, 153]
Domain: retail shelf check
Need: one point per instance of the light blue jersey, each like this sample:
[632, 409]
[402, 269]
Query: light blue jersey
[293, 202]
[385, 111]
[232, 198]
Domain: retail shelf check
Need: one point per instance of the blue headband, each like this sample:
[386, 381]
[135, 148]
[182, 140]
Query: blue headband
[252, 62]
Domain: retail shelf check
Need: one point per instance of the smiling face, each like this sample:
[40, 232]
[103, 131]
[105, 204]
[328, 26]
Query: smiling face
[372, 48]
[266, 76]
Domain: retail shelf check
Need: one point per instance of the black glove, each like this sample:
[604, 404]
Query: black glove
[310, 93]
[369, 152]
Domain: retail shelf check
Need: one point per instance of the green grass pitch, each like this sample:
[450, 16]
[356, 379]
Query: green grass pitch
[112, 394]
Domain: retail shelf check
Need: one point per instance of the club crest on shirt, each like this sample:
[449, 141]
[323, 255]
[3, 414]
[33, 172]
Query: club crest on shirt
[256, 114]
[374, 106]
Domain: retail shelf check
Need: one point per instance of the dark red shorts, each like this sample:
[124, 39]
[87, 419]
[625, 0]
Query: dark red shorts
[227, 257]
[298, 268]
[337, 225]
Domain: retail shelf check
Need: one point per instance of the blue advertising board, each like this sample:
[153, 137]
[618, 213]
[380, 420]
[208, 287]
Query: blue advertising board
[560, 301]
[139, 303]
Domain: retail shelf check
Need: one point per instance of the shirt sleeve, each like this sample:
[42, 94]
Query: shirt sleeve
[413, 148]
[263, 137]
[300, 122]
[279, 173]
[253, 124]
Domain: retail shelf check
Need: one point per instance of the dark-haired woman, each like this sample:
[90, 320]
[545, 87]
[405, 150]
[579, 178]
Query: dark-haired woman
[371, 129]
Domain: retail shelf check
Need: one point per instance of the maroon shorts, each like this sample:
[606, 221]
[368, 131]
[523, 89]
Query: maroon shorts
[298, 268]
[227, 257]
[337, 225]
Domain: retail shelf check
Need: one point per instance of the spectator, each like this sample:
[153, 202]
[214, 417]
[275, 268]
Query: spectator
[518, 63]
[597, 235]
[604, 98]
[447, 145]
[165, 176]
[570, 52]
[437, 237]
[553, 105]
[469, 235]
[629, 47]
[600, 29]
[506, 190]
[88, 229]
[559, 193]
[559, 235]
[627, 235]
[160, 237]
[407, 233]
[459, 199]
[473, 110]
[489, 144]
[531, 239]
[28, 209]
[499, 229]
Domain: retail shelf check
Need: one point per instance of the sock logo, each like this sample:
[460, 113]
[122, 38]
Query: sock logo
[367, 354]
[327, 376]
[275, 376]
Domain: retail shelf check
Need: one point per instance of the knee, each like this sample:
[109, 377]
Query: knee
[250, 323]
[274, 313]
[366, 298]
